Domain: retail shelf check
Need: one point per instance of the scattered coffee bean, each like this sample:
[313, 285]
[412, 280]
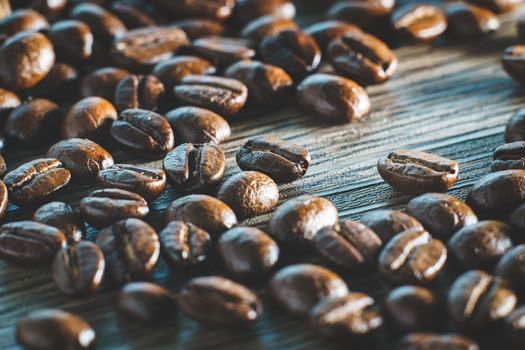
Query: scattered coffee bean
[516, 218]
[466, 21]
[146, 302]
[103, 24]
[514, 327]
[102, 82]
[386, 223]
[62, 216]
[23, 20]
[72, 40]
[215, 9]
[172, 71]
[515, 128]
[325, 32]
[90, 118]
[196, 28]
[513, 61]
[509, 156]
[259, 28]
[138, 91]
[221, 51]
[246, 10]
[434, 341]
[8, 102]
[367, 14]
[50, 9]
[418, 22]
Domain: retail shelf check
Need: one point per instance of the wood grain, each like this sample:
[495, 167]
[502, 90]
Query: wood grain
[452, 100]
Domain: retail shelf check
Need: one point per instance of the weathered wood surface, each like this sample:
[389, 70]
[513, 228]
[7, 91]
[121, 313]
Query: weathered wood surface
[452, 100]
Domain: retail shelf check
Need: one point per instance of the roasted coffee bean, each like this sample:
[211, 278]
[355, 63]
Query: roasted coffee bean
[332, 98]
[221, 95]
[434, 341]
[72, 40]
[103, 24]
[249, 193]
[297, 288]
[196, 28]
[3, 199]
[36, 181]
[371, 15]
[386, 223]
[146, 302]
[49, 8]
[25, 59]
[292, 50]
[511, 267]
[48, 329]
[8, 102]
[412, 257]
[466, 21]
[418, 22]
[517, 218]
[143, 132]
[515, 128]
[282, 160]
[195, 167]
[412, 309]
[131, 249]
[90, 117]
[172, 71]
[143, 48]
[247, 252]
[514, 327]
[267, 85]
[83, 158]
[209, 213]
[264, 26]
[185, 246]
[60, 84]
[62, 216]
[138, 91]
[147, 182]
[102, 82]
[513, 61]
[417, 172]
[247, 10]
[352, 315]
[29, 243]
[79, 269]
[215, 9]
[34, 123]
[135, 14]
[24, 20]
[477, 300]
[299, 219]
[198, 125]
[362, 57]
[496, 195]
[509, 156]
[442, 215]
[101, 208]
[498, 6]
[348, 245]
[218, 301]
[221, 51]
[325, 32]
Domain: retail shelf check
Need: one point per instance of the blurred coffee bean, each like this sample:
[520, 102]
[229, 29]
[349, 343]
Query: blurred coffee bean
[214, 9]
[517, 218]
[135, 14]
[198, 125]
[5, 9]
[513, 61]
[138, 91]
[49, 8]
[221, 51]
[8, 102]
[60, 84]
[3, 167]
[173, 70]
[196, 28]
[434, 341]
[325, 32]
[511, 267]
[62, 216]
[264, 26]
[509, 156]
[386, 223]
[72, 40]
[146, 302]
[371, 15]
[90, 118]
[102, 82]
[418, 22]
[247, 10]
[24, 20]
[515, 128]
[103, 24]
[514, 327]
[3, 199]
[466, 21]
[498, 6]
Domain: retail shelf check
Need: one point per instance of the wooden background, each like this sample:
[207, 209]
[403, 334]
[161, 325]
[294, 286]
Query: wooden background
[447, 99]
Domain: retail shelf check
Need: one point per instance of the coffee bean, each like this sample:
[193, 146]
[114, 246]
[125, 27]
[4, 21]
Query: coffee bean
[249, 193]
[221, 95]
[48, 329]
[3, 199]
[368, 14]
[362, 57]
[297, 288]
[325, 32]
[332, 98]
[29, 243]
[215, 9]
[198, 125]
[514, 327]
[23, 20]
[34, 123]
[221, 51]
[509, 156]
[146, 302]
[79, 269]
[143, 132]
[478, 301]
[267, 84]
[292, 50]
[90, 117]
[195, 167]
[511, 267]
[143, 48]
[516, 218]
[102, 82]
[103, 24]
[261, 27]
[496, 195]
[515, 128]
[467, 21]
[386, 223]
[412, 309]
[209, 213]
[147, 182]
[136, 14]
[498, 6]
[72, 40]
[62, 216]
[348, 245]
[246, 10]
[247, 252]
[298, 219]
[131, 249]
[418, 22]
[25, 59]
[350, 316]
[185, 246]
[412, 257]
[434, 341]
[60, 84]
[138, 91]
[197, 28]
[172, 71]
[83, 158]
[283, 161]
[442, 215]
[8, 102]
[513, 61]
[101, 208]
[417, 172]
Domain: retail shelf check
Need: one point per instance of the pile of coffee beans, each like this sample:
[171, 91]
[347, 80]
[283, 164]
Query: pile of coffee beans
[83, 82]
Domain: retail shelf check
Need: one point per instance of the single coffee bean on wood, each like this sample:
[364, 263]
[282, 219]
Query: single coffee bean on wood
[146, 302]
[171, 71]
[90, 118]
[60, 84]
[418, 22]
[467, 22]
[138, 91]
[388, 223]
[511, 267]
[434, 341]
[62, 216]
[509, 156]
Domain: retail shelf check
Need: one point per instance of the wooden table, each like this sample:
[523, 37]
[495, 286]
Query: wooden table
[451, 100]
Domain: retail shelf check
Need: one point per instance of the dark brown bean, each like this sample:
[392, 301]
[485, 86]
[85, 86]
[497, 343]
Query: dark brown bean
[50, 9]
[198, 125]
[8, 102]
[513, 61]
[146, 302]
[102, 82]
[511, 267]
[172, 71]
[514, 329]
[23, 20]
[197, 28]
[221, 51]
[62, 216]
[3, 199]
[386, 224]
[72, 40]
[368, 14]
[103, 24]
[517, 217]
[90, 117]
[215, 9]
[264, 26]
[138, 91]
[325, 32]
[466, 21]
[434, 341]
[60, 84]
[136, 14]
[509, 156]
[515, 128]
[418, 22]
[247, 10]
